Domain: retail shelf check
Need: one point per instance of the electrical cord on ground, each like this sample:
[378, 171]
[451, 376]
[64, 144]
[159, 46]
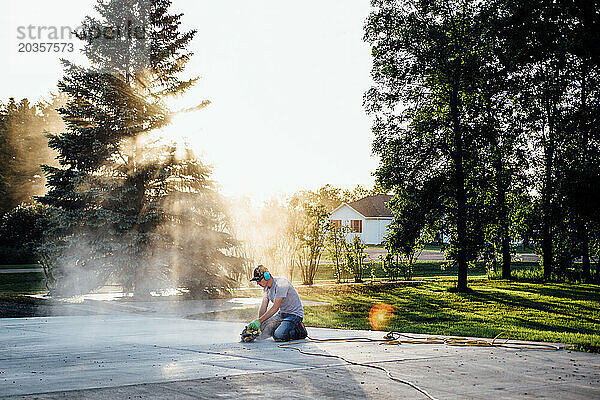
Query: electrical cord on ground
[393, 338]
[289, 346]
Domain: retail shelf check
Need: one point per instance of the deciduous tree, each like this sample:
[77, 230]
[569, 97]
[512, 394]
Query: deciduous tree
[426, 68]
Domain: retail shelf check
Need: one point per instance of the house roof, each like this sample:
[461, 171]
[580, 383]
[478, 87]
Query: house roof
[373, 206]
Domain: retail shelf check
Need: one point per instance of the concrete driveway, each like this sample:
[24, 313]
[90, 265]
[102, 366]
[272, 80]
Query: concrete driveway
[146, 356]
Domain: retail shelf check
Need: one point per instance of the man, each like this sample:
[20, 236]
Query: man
[283, 320]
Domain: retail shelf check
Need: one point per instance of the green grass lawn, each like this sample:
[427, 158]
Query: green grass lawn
[22, 288]
[540, 312]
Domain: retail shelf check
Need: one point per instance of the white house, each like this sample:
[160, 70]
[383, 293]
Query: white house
[367, 218]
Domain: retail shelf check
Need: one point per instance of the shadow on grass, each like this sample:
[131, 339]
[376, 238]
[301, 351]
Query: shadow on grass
[575, 310]
[565, 291]
[539, 326]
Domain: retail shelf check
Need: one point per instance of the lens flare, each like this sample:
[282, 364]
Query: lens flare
[380, 316]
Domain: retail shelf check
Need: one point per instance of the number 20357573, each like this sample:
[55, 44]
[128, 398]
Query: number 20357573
[37, 47]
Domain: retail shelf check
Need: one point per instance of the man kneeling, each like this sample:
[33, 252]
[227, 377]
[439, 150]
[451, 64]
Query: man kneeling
[283, 320]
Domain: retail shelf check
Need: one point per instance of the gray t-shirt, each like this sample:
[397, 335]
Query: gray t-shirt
[291, 301]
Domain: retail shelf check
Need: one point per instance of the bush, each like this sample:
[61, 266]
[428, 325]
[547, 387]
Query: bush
[12, 255]
[524, 275]
[21, 232]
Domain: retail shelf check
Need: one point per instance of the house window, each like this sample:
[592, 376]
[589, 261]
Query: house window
[356, 226]
[336, 223]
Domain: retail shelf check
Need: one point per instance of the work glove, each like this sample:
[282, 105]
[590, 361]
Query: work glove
[254, 325]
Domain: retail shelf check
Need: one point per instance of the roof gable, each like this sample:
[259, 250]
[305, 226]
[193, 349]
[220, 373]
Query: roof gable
[340, 209]
[373, 206]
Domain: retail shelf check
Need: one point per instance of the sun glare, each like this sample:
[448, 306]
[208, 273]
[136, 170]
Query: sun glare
[380, 316]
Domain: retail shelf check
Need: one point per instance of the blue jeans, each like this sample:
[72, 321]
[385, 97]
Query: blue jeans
[282, 327]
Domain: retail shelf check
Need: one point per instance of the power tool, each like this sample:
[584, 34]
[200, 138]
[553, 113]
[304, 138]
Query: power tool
[249, 335]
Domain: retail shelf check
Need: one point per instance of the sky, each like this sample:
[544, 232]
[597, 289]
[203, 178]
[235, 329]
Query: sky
[285, 80]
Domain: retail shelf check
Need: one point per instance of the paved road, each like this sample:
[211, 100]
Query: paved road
[434, 255]
[143, 356]
[20, 270]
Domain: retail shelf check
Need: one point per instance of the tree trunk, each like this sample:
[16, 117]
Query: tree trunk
[503, 220]
[461, 200]
[504, 224]
[547, 256]
[585, 243]
[585, 239]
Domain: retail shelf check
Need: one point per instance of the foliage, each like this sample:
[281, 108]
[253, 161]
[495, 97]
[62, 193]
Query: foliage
[23, 147]
[430, 270]
[426, 66]
[308, 233]
[22, 232]
[556, 73]
[415, 220]
[336, 249]
[331, 197]
[398, 261]
[355, 258]
[486, 120]
[278, 233]
[391, 266]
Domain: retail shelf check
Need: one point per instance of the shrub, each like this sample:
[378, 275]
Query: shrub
[21, 232]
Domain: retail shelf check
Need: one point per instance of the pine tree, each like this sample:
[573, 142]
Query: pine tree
[132, 210]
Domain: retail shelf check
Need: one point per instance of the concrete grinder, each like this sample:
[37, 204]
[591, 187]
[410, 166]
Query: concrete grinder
[249, 335]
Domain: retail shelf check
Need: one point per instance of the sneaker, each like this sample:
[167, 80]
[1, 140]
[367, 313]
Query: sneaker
[303, 333]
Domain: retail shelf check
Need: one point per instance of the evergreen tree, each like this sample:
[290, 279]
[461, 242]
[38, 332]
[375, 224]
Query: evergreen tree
[132, 210]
